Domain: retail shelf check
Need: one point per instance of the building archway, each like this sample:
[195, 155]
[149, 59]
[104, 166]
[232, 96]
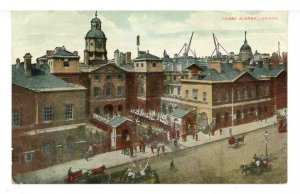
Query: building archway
[120, 108]
[108, 109]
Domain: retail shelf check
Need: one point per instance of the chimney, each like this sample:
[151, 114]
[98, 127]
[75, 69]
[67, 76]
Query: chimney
[18, 63]
[239, 66]
[147, 51]
[128, 57]
[27, 64]
[49, 53]
[215, 64]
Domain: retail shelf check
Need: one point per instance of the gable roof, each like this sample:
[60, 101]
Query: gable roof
[261, 72]
[95, 68]
[179, 112]
[117, 121]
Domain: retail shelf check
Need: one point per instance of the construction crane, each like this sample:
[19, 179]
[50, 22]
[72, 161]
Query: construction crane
[217, 47]
[187, 48]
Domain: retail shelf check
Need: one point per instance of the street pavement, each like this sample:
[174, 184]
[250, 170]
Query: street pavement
[56, 173]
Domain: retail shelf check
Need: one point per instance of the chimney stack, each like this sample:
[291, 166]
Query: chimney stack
[215, 64]
[18, 63]
[27, 65]
[239, 65]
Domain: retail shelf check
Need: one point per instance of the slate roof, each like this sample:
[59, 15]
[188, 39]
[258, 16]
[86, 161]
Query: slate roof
[146, 56]
[179, 113]
[227, 74]
[40, 80]
[117, 121]
[261, 72]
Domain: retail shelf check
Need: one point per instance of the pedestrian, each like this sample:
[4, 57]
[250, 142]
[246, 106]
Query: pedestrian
[196, 136]
[175, 142]
[177, 134]
[158, 150]
[172, 166]
[194, 133]
[131, 151]
[220, 130]
[135, 148]
[230, 132]
[70, 171]
[163, 149]
[152, 148]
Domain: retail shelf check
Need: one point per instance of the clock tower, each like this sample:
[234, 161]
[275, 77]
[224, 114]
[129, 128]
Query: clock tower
[95, 44]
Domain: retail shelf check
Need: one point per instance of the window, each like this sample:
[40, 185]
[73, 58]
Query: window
[252, 111]
[245, 113]
[70, 146]
[246, 93]
[48, 114]
[186, 94]
[137, 65]
[204, 97]
[15, 118]
[226, 96]
[69, 111]
[174, 77]
[28, 156]
[218, 97]
[97, 78]
[120, 76]
[238, 94]
[96, 92]
[47, 149]
[218, 118]
[267, 93]
[195, 94]
[108, 92]
[238, 115]
[66, 63]
[108, 77]
[253, 92]
[142, 91]
[266, 109]
[226, 116]
[119, 90]
[260, 91]
[142, 64]
[153, 64]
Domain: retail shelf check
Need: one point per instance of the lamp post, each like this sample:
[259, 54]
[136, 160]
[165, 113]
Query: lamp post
[266, 135]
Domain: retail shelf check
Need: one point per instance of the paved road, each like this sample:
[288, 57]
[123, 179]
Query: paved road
[217, 163]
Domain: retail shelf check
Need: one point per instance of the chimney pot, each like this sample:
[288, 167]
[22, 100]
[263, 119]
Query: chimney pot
[27, 65]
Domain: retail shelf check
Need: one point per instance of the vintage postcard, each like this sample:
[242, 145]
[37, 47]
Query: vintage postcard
[159, 97]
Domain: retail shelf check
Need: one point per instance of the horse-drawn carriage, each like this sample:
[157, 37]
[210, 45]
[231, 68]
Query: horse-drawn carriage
[99, 175]
[236, 141]
[257, 166]
[95, 175]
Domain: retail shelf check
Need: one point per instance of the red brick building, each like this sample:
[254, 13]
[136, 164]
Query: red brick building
[48, 118]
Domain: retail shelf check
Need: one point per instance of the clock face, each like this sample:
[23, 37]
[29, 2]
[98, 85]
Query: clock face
[99, 43]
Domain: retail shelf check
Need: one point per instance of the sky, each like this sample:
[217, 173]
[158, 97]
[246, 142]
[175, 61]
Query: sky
[38, 31]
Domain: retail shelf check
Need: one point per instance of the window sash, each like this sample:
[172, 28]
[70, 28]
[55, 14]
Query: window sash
[48, 114]
[120, 91]
[69, 111]
[15, 118]
[96, 92]
[204, 97]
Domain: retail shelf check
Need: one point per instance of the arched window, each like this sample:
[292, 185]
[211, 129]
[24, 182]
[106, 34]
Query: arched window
[245, 113]
[238, 94]
[253, 92]
[246, 93]
[267, 91]
[238, 115]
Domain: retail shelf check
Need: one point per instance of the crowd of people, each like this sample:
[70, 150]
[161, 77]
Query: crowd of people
[152, 115]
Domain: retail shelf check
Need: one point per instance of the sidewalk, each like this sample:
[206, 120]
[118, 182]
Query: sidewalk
[56, 173]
